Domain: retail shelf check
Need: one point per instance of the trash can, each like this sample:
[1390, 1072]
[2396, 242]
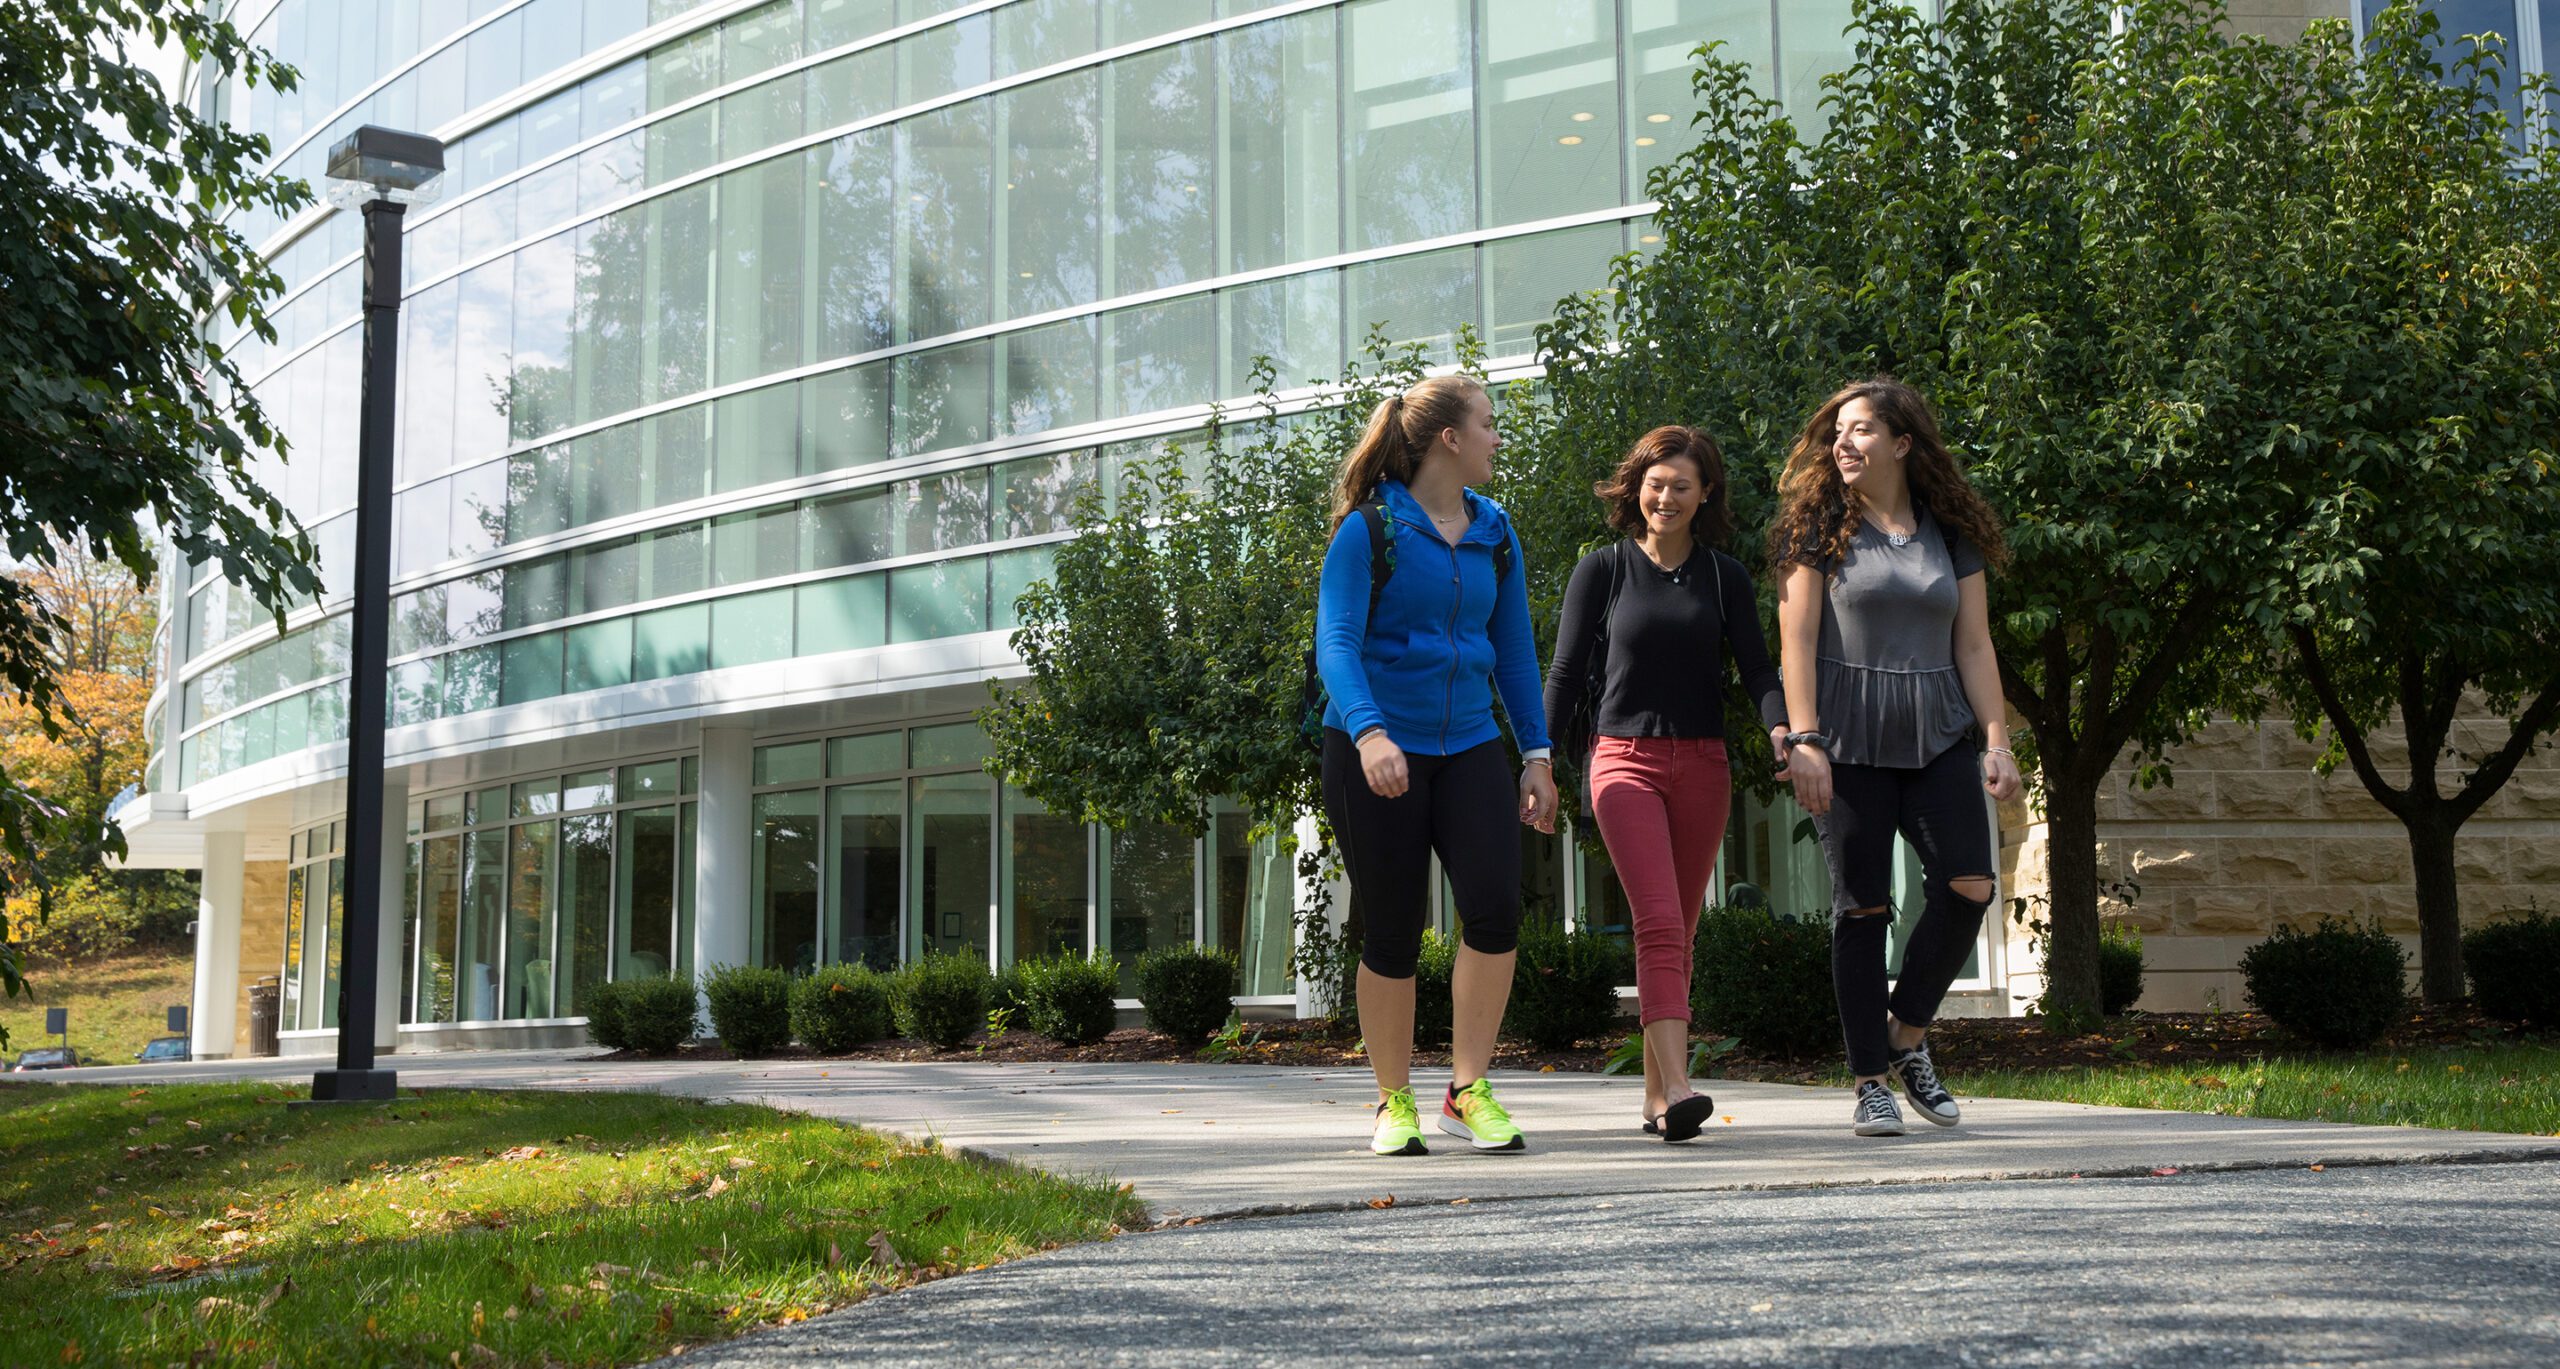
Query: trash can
[262, 1015]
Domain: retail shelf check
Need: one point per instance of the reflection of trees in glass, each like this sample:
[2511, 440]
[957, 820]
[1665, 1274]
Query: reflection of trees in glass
[1161, 132]
[854, 264]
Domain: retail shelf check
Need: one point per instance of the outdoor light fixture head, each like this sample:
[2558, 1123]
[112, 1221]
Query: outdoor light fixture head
[385, 164]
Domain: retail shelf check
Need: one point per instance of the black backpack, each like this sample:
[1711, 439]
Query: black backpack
[1382, 564]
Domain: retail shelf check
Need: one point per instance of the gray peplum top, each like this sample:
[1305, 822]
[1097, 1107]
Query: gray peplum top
[1887, 685]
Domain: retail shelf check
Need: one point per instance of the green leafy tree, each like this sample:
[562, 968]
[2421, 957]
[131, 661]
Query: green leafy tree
[2443, 331]
[2100, 249]
[113, 246]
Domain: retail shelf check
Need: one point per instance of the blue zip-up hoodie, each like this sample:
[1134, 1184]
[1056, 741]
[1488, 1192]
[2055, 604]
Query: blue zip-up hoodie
[1445, 638]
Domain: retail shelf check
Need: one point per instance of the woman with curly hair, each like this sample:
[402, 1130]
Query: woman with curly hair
[1649, 621]
[1895, 716]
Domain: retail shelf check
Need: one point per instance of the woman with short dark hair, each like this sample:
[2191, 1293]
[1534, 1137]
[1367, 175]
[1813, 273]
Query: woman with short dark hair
[1647, 625]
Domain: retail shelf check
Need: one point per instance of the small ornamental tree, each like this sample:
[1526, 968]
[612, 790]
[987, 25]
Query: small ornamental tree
[2442, 338]
[116, 414]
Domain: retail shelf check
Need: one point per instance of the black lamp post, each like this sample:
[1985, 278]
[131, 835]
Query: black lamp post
[382, 172]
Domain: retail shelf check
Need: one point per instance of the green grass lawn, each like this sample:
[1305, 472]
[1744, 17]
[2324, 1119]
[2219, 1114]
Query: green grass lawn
[149, 1225]
[116, 1003]
[2506, 1087]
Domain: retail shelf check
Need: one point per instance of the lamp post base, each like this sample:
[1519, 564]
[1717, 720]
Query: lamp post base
[354, 1086]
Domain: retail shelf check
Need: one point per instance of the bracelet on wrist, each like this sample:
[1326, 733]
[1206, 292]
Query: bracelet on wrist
[1816, 740]
[1999, 751]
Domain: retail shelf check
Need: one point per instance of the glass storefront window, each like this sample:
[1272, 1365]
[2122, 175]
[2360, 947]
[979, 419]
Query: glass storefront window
[585, 914]
[645, 893]
[864, 822]
[1045, 860]
[1147, 894]
[1550, 95]
[440, 919]
[785, 897]
[949, 862]
[532, 854]
[874, 754]
[483, 924]
[1251, 902]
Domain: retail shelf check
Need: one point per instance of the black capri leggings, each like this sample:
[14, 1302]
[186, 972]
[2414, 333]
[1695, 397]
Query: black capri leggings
[1459, 806]
[1939, 809]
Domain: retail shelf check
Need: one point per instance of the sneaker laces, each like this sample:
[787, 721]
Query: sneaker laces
[1875, 1100]
[1919, 1072]
[1401, 1100]
[1476, 1101]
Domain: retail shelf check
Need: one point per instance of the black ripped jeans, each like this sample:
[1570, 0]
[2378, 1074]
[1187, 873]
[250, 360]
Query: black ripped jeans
[1940, 809]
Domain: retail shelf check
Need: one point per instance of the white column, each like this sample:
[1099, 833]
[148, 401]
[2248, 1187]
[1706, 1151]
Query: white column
[724, 850]
[1315, 1000]
[215, 1017]
[395, 911]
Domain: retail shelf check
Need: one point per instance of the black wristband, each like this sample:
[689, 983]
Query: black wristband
[1815, 740]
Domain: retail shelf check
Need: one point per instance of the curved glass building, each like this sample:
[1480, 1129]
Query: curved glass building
[751, 360]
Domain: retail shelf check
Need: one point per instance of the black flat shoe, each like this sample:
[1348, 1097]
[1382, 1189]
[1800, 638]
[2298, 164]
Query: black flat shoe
[1682, 1121]
[1653, 1126]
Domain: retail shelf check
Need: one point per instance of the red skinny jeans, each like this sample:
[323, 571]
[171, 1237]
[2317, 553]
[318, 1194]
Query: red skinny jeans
[1661, 803]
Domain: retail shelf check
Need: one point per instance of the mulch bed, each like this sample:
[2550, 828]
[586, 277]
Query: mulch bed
[2152, 1039]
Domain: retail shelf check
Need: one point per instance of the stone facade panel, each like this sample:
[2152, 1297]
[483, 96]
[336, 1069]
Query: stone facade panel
[2170, 801]
[2364, 860]
[2535, 861]
[2263, 794]
[2214, 912]
[2268, 861]
[2161, 864]
[2531, 794]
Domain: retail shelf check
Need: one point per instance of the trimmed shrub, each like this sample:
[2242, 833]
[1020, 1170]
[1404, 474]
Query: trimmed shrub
[1188, 992]
[2119, 968]
[750, 1008]
[1565, 989]
[941, 999]
[2515, 968]
[1006, 995]
[836, 1008]
[1434, 1010]
[658, 1015]
[1069, 998]
[1765, 979]
[2338, 984]
[604, 1007]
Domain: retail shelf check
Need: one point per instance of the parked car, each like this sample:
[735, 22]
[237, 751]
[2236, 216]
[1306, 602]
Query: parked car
[46, 1058]
[162, 1048]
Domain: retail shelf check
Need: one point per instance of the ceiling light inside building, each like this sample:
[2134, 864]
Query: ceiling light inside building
[1583, 118]
[1570, 140]
[1650, 237]
[1657, 118]
[1644, 142]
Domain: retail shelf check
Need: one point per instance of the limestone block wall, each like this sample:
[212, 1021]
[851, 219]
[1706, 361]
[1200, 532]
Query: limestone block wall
[261, 937]
[2248, 836]
[2283, 19]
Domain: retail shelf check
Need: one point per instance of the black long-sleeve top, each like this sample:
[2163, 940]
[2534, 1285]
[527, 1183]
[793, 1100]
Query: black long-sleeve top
[1667, 635]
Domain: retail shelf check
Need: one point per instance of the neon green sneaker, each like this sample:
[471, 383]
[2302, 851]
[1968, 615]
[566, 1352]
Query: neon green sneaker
[1399, 1126]
[1471, 1112]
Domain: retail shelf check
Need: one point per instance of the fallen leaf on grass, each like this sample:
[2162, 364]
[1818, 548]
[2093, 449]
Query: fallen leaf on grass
[522, 1153]
[719, 1185]
[277, 1294]
[885, 1253]
[206, 1307]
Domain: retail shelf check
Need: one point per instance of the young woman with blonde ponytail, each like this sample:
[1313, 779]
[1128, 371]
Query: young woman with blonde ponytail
[1414, 761]
[1895, 714]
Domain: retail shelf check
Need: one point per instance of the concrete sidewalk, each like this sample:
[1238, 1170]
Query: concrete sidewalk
[1220, 1141]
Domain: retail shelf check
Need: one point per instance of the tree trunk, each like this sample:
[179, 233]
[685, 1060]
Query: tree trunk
[2431, 834]
[2071, 891]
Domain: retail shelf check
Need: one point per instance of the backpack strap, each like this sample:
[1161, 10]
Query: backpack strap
[1382, 551]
